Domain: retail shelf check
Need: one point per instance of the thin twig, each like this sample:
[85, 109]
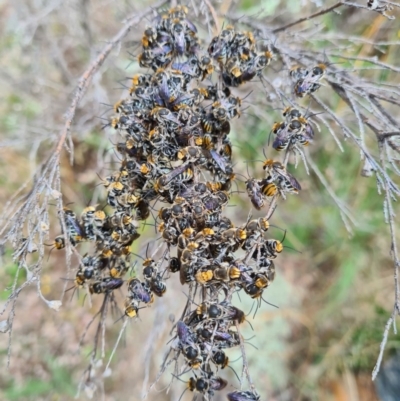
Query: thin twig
[308, 18]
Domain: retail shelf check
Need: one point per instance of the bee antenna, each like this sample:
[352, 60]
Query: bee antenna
[250, 310]
[279, 228]
[102, 118]
[141, 257]
[234, 371]
[269, 137]
[51, 250]
[106, 104]
[264, 153]
[251, 344]
[71, 288]
[269, 303]
[191, 300]
[184, 391]
[250, 324]
[257, 306]
[237, 359]
[284, 236]
[120, 318]
[242, 176]
[289, 247]
[177, 377]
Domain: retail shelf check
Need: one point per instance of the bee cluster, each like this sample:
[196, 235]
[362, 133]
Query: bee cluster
[296, 129]
[307, 80]
[176, 151]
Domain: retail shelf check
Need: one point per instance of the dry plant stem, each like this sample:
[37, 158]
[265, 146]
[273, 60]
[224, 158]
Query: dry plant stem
[386, 135]
[346, 215]
[245, 369]
[395, 256]
[214, 15]
[156, 332]
[299, 21]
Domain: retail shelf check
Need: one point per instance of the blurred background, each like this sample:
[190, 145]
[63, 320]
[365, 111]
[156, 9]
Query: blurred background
[334, 292]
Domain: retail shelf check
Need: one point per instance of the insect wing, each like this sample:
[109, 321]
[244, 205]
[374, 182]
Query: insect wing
[71, 221]
[219, 160]
[281, 142]
[183, 332]
[294, 182]
[309, 132]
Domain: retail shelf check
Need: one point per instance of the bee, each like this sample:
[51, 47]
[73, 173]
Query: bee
[206, 67]
[290, 113]
[124, 106]
[214, 186]
[260, 224]
[218, 50]
[232, 66]
[220, 359]
[178, 12]
[203, 385]
[131, 307]
[263, 60]
[252, 290]
[157, 285]
[190, 70]
[220, 273]
[105, 285]
[203, 277]
[298, 73]
[119, 269]
[268, 187]
[243, 396]
[165, 214]
[179, 175]
[228, 34]
[219, 112]
[170, 235]
[192, 356]
[149, 268]
[115, 189]
[255, 194]
[140, 291]
[174, 265]
[309, 83]
[122, 122]
[286, 132]
[190, 154]
[75, 232]
[142, 209]
[247, 75]
[232, 313]
[149, 37]
[209, 310]
[178, 34]
[274, 247]
[277, 171]
[59, 242]
[234, 236]
[126, 201]
[164, 116]
[183, 240]
[219, 160]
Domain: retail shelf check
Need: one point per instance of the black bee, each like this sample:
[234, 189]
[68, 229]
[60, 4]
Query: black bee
[105, 285]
